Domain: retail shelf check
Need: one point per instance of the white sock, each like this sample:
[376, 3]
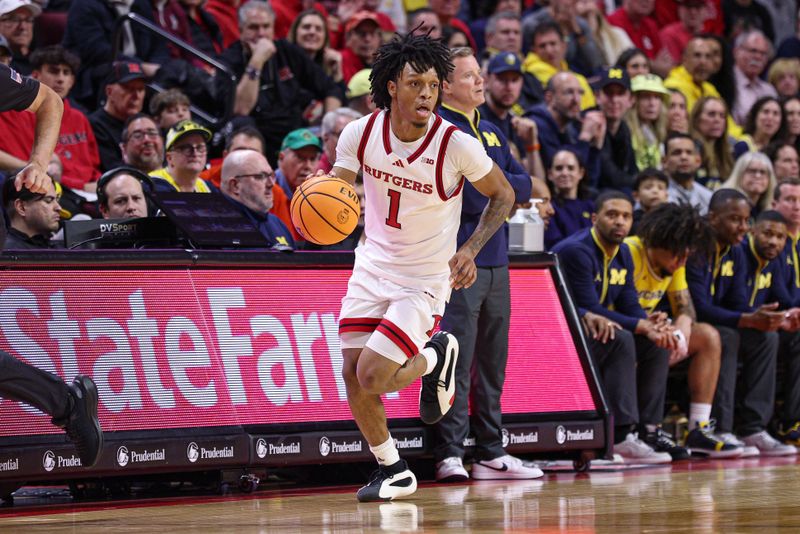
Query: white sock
[386, 453]
[698, 413]
[431, 357]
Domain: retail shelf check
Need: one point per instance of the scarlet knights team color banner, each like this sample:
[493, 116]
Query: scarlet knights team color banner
[191, 348]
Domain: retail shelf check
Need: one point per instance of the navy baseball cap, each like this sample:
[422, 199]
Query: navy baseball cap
[613, 76]
[504, 62]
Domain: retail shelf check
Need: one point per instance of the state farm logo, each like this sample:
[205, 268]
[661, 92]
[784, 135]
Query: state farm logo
[123, 456]
[561, 435]
[324, 446]
[504, 436]
[261, 448]
[49, 461]
[192, 452]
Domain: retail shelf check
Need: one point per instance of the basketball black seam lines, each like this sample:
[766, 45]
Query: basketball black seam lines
[320, 215]
[305, 198]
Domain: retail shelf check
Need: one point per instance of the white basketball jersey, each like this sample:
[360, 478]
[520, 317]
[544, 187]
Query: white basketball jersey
[412, 196]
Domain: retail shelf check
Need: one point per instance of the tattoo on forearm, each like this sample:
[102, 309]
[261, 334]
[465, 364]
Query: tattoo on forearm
[682, 305]
[492, 218]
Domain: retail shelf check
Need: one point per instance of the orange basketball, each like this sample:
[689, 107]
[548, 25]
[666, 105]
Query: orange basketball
[325, 209]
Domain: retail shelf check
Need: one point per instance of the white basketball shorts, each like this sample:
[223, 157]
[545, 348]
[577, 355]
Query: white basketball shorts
[393, 320]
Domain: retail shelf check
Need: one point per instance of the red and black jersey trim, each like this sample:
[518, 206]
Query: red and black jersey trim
[398, 337]
[387, 143]
[440, 166]
[359, 324]
[428, 138]
[365, 136]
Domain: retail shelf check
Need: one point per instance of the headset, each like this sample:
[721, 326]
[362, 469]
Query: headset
[144, 179]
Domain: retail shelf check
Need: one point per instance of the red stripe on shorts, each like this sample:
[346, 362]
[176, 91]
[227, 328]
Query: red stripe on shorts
[358, 324]
[398, 337]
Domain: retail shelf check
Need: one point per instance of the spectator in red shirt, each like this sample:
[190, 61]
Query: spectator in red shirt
[666, 12]
[76, 148]
[362, 38]
[675, 36]
[634, 18]
[225, 13]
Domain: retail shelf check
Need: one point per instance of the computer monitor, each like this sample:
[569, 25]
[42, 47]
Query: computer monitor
[209, 220]
[141, 232]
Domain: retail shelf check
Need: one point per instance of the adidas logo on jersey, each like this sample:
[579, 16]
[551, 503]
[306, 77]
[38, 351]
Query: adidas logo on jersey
[398, 163]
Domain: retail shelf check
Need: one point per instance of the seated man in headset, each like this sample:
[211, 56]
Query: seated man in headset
[121, 193]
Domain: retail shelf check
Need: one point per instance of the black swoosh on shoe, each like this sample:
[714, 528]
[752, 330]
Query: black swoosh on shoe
[500, 469]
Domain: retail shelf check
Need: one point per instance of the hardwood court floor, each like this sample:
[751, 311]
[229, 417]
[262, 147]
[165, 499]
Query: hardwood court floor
[698, 497]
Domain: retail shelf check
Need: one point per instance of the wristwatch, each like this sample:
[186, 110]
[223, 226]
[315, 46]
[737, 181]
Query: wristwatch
[252, 72]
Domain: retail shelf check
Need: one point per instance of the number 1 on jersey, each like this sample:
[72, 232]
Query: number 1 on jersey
[394, 208]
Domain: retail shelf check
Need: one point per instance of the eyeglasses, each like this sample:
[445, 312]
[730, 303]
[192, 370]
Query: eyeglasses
[18, 20]
[763, 172]
[138, 135]
[188, 150]
[260, 176]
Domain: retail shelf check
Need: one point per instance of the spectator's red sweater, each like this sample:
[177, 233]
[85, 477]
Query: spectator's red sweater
[76, 146]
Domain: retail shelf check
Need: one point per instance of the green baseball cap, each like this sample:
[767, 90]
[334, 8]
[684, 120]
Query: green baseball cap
[302, 137]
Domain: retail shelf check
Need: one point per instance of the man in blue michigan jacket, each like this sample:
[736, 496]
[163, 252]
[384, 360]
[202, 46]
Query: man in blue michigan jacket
[718, 286]
[599, 271]
[786, 201]
[479, 315]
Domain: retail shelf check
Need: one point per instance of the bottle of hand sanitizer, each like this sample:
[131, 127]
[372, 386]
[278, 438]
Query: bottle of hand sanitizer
[526, 230]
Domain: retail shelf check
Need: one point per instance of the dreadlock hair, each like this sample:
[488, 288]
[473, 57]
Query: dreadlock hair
[677, 228]
[419, 51]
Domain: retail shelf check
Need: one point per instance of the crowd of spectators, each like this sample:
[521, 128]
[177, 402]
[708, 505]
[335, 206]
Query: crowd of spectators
[619, 106]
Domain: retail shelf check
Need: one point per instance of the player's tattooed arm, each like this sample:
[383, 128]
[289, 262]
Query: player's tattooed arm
[501, 198]
[681, 303]
[494, 185]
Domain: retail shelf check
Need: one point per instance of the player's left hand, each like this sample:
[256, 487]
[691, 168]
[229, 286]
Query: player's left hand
[33, 177]
[463, 271]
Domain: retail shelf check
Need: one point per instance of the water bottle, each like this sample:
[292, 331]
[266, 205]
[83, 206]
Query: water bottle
[526, 230]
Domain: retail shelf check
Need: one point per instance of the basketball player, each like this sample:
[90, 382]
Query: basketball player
[414, 164]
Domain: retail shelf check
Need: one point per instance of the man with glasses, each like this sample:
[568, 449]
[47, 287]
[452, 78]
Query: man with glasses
[124, 98]
[33, 217]
[186, 159]
[142, 145]
[751, 53]
[299, 157]
[247, 182]
[16, 25]
[332, 125]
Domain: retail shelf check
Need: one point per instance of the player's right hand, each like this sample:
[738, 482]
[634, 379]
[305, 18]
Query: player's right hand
[463, 271]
